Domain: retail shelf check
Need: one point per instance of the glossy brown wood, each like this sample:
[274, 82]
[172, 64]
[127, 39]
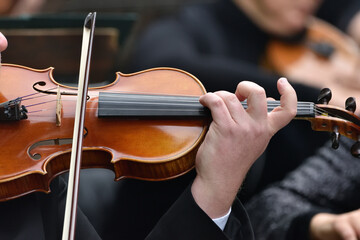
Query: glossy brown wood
[149, 149]
[335, 119]
[328, 124]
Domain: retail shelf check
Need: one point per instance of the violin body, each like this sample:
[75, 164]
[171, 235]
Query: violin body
[37, 149]
[324, 56]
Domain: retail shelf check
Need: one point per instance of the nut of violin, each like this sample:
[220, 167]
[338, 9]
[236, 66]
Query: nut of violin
[350, 104]
[355, 149]
[324, 96]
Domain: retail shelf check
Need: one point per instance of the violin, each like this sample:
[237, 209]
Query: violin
[37, 132]
[323, 56]
[146, 125]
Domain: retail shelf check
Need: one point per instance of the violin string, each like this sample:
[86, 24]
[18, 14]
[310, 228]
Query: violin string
[25, 96]
[184, 100]
[319, 112]
[188, 99]
[147, 109]
[31, 98]
[40, 103]
[41, 110]
[302, 106]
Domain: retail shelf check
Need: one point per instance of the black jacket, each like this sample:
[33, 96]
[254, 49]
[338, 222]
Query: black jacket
[326, 182]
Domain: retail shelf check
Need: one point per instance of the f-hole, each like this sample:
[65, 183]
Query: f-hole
[50, 142]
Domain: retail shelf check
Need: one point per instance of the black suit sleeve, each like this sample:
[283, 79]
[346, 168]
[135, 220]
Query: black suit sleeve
[186, 220]
[40, 216]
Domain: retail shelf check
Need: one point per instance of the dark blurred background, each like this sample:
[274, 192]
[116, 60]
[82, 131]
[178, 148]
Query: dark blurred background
[44, 33]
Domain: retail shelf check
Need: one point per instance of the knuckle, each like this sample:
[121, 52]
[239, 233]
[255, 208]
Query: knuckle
[240, 84]
[259, 131]
[221, 93]
[252, 130]
[337, 225]
[231, 98]
[237, 130]
[217, 102]
[259, 91]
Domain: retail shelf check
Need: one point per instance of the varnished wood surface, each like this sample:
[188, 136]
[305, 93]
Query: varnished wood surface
[145, 149]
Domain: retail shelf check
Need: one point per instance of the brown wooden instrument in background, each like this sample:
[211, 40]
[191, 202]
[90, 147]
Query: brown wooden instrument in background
[323, 56]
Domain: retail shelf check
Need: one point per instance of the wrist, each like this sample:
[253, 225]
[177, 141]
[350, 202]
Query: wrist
[214, 199]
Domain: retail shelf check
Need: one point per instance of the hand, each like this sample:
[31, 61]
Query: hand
[236, 138]
[20, 7]
[3, 42]
[342, 68]
[336, 226]
[341, 93]
[342, 79]
[354, 28]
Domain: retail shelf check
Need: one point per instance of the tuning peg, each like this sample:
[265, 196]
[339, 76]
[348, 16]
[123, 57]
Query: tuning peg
[355, 149]
[335, 136]
[324, 96]
[350, 104]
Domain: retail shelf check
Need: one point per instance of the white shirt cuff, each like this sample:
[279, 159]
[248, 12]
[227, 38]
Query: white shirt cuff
[221, 221]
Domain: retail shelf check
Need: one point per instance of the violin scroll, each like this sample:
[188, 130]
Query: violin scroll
[338, 121]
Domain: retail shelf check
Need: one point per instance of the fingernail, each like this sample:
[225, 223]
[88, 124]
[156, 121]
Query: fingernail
[283, 80]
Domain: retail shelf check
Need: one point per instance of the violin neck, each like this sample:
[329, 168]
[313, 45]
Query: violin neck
[146, 105]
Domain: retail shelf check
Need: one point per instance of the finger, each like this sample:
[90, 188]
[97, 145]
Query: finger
[233, 105]
[283, 114]
[256, 99]
[217, 106]
[345, 231]
[355, 222]
[3, 42]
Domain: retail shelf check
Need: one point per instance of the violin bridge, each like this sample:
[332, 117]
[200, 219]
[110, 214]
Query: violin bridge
[58, 107]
